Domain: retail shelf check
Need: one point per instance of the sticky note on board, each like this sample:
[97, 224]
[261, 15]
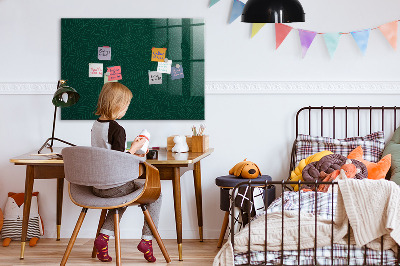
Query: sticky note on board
[155, 77]
[104, 53]
[95, 70]
[106, 75]
[164, 67]
[158, 54]
[177, 73]
[115, 73]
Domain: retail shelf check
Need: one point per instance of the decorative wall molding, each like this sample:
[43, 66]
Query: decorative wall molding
[249, 87]
[303, 87]
[28, 88]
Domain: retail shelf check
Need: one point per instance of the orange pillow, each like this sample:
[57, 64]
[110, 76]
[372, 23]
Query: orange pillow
[375, 170]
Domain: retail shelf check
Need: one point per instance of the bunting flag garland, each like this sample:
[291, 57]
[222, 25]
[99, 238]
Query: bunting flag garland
[213, 2]
[389, 30]
[237, 9]
[361, 37]
[256, 28]
[306, 39]
[281, 31]
[332, 41]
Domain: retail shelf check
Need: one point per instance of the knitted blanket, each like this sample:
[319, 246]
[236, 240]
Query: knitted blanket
[371, 207]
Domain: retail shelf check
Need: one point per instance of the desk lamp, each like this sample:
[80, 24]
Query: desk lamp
[273, 11]
[64, 96]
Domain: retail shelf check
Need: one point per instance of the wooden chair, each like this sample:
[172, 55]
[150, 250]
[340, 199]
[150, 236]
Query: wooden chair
[85, 167]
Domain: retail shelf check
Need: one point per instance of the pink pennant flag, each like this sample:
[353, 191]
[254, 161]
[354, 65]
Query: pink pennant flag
[389, 30]
[281, 31]
[306, 39]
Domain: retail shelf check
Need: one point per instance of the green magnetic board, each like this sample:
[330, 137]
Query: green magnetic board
[131, 42]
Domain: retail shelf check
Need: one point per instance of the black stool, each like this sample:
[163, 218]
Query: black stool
[226, 183]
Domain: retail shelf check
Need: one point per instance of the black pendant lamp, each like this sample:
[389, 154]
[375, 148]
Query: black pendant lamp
[273, 11]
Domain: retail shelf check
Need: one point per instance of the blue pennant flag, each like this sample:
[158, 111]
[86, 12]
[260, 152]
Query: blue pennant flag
[361, 37]
[332, 41]
[237, 9]
[213, 2]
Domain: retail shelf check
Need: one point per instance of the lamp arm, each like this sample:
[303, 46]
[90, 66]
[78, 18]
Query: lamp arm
[54, 126]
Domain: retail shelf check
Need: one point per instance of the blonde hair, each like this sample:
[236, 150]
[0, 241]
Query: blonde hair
[113, 98]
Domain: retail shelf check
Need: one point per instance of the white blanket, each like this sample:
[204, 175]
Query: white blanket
[371, 206]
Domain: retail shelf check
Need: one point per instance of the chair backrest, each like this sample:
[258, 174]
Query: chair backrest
[92, 166]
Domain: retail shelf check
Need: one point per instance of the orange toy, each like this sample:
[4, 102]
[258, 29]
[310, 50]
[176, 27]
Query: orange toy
[245, 169]
[12, 222]
[1, 219]
[375, 170]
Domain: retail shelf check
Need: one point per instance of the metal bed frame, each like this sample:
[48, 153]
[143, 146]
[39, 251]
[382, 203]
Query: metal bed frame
[283, 184]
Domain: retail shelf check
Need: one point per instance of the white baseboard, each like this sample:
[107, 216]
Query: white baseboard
[247, 87]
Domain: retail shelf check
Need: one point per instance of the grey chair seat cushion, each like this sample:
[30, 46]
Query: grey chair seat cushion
[83, 196]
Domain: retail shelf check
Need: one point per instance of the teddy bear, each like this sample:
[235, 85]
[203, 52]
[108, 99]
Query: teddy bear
[180, 144]
[13, 215]
[245, 169]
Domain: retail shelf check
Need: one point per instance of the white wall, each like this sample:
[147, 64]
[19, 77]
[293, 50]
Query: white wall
[259, 127]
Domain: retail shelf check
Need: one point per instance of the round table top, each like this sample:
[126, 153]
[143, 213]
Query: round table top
[230, 181]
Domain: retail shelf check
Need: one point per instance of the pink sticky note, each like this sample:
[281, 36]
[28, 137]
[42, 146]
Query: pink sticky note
[114, 77]
[115, 73]
[114, 70]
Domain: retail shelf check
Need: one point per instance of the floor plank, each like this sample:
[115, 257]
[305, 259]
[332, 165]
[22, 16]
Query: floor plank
[50, 252]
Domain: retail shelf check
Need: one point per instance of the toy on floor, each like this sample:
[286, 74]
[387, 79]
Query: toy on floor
[245, 169]
[13, 215]
[1, 219]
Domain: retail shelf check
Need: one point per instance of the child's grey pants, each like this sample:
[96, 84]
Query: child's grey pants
[154, 208]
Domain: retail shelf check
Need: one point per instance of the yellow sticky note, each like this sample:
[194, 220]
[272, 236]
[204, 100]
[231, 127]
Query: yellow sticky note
[158, 54]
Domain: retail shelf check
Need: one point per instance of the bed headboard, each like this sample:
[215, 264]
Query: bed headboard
[344, 121]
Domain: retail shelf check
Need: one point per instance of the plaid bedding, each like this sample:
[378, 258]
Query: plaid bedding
[372, 145]
[323, 207]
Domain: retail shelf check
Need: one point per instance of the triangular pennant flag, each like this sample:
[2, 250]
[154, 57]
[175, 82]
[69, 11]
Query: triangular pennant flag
[332, 41]
[390, 32]
[361, 37]
[255, 28]
[281, 31]
[306, 39]
[213, 2]
[237, 9]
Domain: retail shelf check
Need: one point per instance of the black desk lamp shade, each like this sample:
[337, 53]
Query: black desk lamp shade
[273, 11]
[64, 96]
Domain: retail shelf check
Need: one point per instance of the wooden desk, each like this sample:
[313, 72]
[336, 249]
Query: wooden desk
[171, 166]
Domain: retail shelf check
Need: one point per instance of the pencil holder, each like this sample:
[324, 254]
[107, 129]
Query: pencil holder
[200, 143]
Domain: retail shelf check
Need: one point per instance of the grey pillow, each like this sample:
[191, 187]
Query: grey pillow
[393, 148]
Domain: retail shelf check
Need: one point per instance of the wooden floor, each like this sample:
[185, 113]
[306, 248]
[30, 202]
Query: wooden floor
[50, 252]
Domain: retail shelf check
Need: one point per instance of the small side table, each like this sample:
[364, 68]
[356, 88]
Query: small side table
[226, 183]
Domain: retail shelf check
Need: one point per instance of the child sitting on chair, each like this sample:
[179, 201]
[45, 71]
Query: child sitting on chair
[114, 100]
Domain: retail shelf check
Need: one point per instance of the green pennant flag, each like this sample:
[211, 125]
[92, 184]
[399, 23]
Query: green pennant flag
[213, 2]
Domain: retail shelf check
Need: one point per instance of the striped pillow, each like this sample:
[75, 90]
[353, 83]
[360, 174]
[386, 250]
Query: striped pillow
[372, 145]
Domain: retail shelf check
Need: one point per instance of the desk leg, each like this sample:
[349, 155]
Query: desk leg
[176, 182]
[27, 206]
[60, 190]
[197, 189]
